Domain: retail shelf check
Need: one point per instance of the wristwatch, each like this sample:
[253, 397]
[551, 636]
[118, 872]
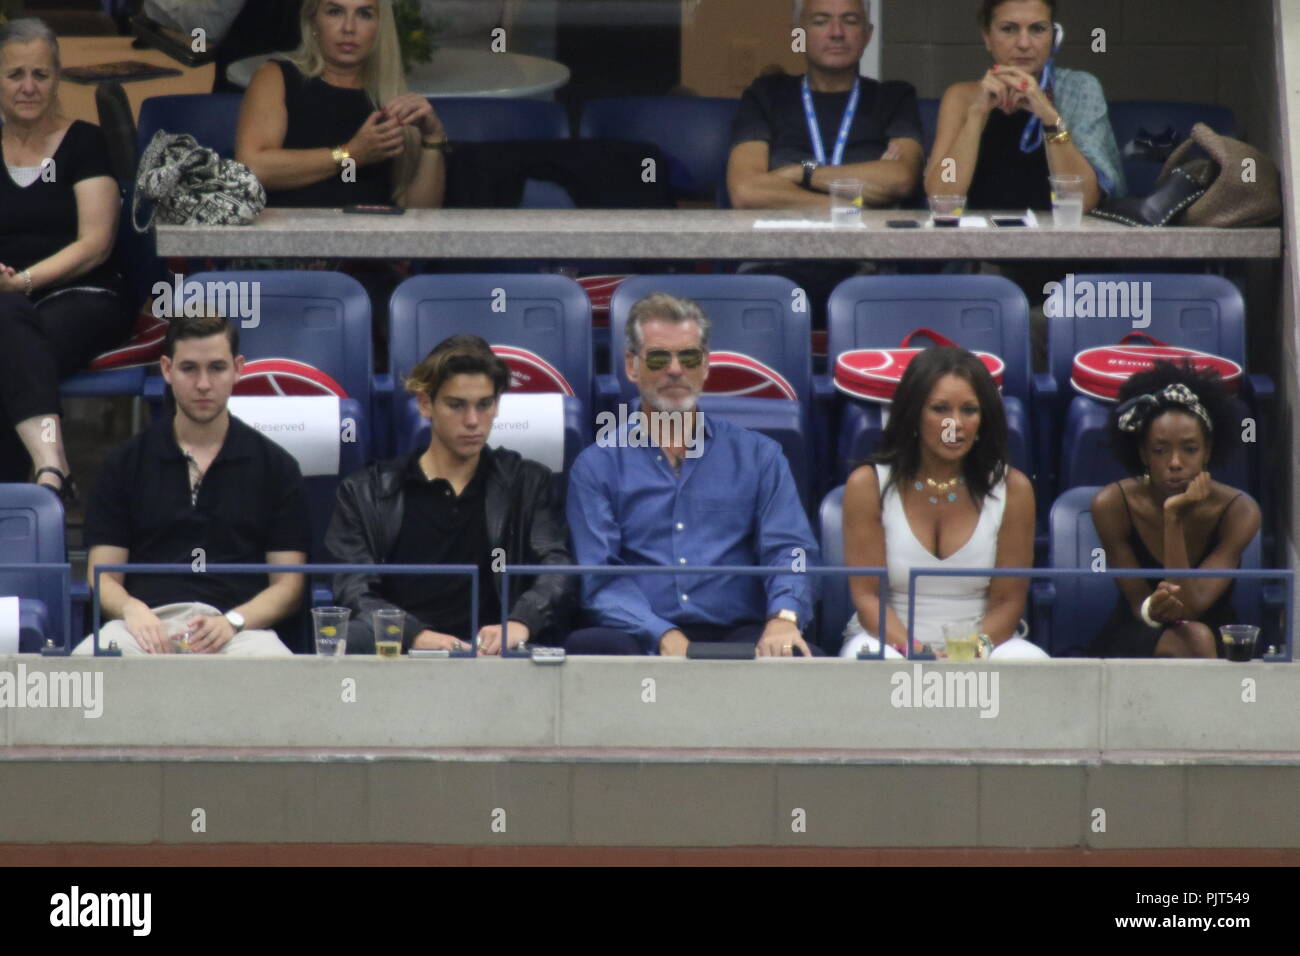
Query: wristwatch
[809, 167]
[236, 620]
[1057, 134]
[340, 155]
[786, 615]
[438, 144]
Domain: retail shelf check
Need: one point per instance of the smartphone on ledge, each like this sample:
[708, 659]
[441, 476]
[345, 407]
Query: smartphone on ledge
[375, 210]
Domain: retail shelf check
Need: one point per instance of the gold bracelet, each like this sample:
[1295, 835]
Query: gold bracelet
[440, 144]
[340, 155]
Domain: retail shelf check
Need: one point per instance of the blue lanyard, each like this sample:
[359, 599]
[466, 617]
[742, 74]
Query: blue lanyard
[819, 150]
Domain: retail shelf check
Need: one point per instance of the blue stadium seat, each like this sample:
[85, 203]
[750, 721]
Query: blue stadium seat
[546, 314]
[984, 313]
[1069, 613]
[693, 132]
[489, 119]
[31, 532]
[1128, 117]
[210, 118]
[753, 314]
[1202, 312]
[836, 604]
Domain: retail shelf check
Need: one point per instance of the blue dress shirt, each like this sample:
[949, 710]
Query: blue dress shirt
[734, 504]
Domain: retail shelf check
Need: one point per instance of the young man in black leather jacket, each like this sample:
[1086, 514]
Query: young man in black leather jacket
[456, 502]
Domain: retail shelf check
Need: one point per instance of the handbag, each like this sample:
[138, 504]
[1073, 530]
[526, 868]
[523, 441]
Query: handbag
[190, 185]
[1101, 372]
[1200, 191]
[874, 374]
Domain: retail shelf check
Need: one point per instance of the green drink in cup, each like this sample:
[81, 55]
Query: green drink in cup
[389, 624]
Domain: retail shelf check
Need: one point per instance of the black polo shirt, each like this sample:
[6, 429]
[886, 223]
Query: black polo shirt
[441, 527]
[252, 501]
[771, 110]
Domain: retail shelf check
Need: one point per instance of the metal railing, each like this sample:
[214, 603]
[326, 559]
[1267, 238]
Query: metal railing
[1286, 576]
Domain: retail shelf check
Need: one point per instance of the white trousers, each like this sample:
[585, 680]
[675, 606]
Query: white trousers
[243, 644]
[1016, 648]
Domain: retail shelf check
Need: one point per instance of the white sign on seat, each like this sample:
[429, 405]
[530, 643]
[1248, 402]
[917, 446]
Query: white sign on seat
[533, 425]
[306, 426]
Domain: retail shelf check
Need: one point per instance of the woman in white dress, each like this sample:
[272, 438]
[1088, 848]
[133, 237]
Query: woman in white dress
[940, 494]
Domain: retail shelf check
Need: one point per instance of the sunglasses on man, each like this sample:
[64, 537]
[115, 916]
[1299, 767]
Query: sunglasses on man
[656, 360]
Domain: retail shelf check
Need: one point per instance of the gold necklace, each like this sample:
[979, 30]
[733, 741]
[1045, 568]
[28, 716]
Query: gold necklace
[940, 488]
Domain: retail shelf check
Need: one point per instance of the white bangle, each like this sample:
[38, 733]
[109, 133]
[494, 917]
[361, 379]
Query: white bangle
[1146, 617]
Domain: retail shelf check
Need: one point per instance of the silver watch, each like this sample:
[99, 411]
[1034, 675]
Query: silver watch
[236, 620]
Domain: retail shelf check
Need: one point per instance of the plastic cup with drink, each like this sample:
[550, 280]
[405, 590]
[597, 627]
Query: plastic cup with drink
[331, 628]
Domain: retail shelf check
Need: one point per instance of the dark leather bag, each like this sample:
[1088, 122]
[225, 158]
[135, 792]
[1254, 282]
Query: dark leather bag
[1209, 180]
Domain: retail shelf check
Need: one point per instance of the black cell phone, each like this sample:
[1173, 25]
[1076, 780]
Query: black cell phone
[1008, 222]
[375, 210]
[903, 224]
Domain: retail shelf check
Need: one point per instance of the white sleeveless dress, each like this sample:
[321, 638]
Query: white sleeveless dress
[939, 600]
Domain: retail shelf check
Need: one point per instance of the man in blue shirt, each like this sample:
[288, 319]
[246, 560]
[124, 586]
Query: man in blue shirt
[672, 487]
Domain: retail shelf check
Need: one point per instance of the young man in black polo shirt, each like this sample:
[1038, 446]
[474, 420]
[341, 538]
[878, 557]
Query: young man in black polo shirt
[456, 502]
[198, 486]
[793, 135]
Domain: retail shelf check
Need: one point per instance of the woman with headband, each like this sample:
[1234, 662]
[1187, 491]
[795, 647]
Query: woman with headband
[1001, 136]
[1170, 423]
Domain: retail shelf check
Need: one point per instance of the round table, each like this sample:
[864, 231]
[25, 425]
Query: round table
[458, 72]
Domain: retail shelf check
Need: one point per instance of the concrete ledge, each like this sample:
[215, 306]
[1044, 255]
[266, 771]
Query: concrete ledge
[686, 234]
[652, 703]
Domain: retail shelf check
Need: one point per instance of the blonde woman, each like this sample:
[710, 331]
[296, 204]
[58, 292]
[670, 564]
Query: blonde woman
[334, 125]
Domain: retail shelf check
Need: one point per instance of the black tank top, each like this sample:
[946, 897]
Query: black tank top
[323, 115]
[1148, 560]
[1006, 178]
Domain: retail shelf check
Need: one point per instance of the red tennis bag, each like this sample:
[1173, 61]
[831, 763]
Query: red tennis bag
[874, 374]
[740, 375]
[530, 373]
[281, 376]
[1101, 372]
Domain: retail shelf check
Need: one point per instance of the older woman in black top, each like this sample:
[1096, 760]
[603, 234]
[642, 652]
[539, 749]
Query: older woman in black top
[334, 125]
[61, 303]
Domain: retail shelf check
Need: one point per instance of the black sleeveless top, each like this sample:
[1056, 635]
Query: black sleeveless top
[1147, 560]
[1006, 178]
[323, 115]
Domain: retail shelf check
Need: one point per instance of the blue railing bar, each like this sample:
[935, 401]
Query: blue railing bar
[1280, 574]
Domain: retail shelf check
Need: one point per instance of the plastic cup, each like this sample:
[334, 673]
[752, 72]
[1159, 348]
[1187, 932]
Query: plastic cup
[1067, 201]
[846, 203]
[961, 640]
[178, 636]
[331, 628]
[1239, 641]
[389, 623]
[946, 210]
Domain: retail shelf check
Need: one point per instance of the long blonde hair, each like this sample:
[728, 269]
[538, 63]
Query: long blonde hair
[381, 77]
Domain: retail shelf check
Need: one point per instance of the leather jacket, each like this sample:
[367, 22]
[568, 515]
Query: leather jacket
[524, 517]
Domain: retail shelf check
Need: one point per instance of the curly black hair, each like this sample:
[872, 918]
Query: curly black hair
[1208, 388]
[986, 464]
